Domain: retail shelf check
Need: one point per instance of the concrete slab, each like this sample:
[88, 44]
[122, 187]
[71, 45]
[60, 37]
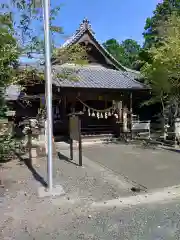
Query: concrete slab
[151, 168]
[56, 191]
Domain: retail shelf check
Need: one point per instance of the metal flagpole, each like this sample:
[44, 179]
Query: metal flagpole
[48, 79]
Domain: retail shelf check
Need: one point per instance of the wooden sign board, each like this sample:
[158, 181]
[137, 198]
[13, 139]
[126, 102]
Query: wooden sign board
[74, 128]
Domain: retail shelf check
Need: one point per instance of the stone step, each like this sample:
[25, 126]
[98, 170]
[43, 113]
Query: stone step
[85, 142]
[97, 137]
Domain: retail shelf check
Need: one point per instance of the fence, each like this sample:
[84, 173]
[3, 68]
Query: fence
[141, 128]
[156, 132]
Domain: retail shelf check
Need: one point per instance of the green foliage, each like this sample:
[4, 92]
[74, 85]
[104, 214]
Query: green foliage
[28, 24]
[9, 54]
[161, 14]
[72, 55]
[163, 72]
[21, 32]
[152, 31]
[75, 54]
[7, 147]
[9, 51]
[113, 47]
[126, 52]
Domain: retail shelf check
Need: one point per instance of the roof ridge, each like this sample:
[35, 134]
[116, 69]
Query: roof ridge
[85, 25]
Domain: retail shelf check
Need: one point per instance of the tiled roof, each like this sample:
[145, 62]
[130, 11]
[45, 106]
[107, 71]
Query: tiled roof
[85, 26]
[132, 73]
[88, 76]
[94, 76]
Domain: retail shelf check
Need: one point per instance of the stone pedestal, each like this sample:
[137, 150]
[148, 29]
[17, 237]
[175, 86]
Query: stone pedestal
[33, 156]
[41, 151]
[42, 146]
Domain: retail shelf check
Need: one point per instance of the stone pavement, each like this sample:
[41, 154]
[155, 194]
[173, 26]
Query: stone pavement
[151, 168]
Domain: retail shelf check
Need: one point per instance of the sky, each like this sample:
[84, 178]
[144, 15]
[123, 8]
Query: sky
[119, 19]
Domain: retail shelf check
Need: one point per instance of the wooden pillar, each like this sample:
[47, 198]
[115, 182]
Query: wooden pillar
[125, 119]
[119, 111]
[117, 124]
[120, 117]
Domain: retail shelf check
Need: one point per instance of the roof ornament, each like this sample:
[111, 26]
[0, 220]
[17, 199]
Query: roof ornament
[85, 25]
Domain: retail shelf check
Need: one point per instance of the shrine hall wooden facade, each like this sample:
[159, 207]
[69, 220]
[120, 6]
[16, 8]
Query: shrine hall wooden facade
[104, 87]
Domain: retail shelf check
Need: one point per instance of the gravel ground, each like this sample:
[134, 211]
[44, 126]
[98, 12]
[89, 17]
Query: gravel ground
[24, 212]
[72, 216]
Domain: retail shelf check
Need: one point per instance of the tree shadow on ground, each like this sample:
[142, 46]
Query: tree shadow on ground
[66, 159]
[36, 175]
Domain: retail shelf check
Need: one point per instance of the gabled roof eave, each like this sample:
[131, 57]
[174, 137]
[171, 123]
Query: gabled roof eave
[79, 34]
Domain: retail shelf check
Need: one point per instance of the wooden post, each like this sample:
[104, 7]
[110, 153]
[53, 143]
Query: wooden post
[120, 121]
[75, 134]
[131, 112]
[80, 143]
[71, 149]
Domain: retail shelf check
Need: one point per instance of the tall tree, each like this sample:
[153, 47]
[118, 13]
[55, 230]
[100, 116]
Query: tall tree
[27, 22]
[19, 34]
[113, 46]
[163, 10]
[125, 52]
[163, 72]
[131, 53]
[9, 53]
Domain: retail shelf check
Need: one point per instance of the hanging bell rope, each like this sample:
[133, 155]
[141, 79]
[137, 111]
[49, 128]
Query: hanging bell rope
[95, 110]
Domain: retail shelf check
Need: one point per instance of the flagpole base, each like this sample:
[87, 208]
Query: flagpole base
[55, 191]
